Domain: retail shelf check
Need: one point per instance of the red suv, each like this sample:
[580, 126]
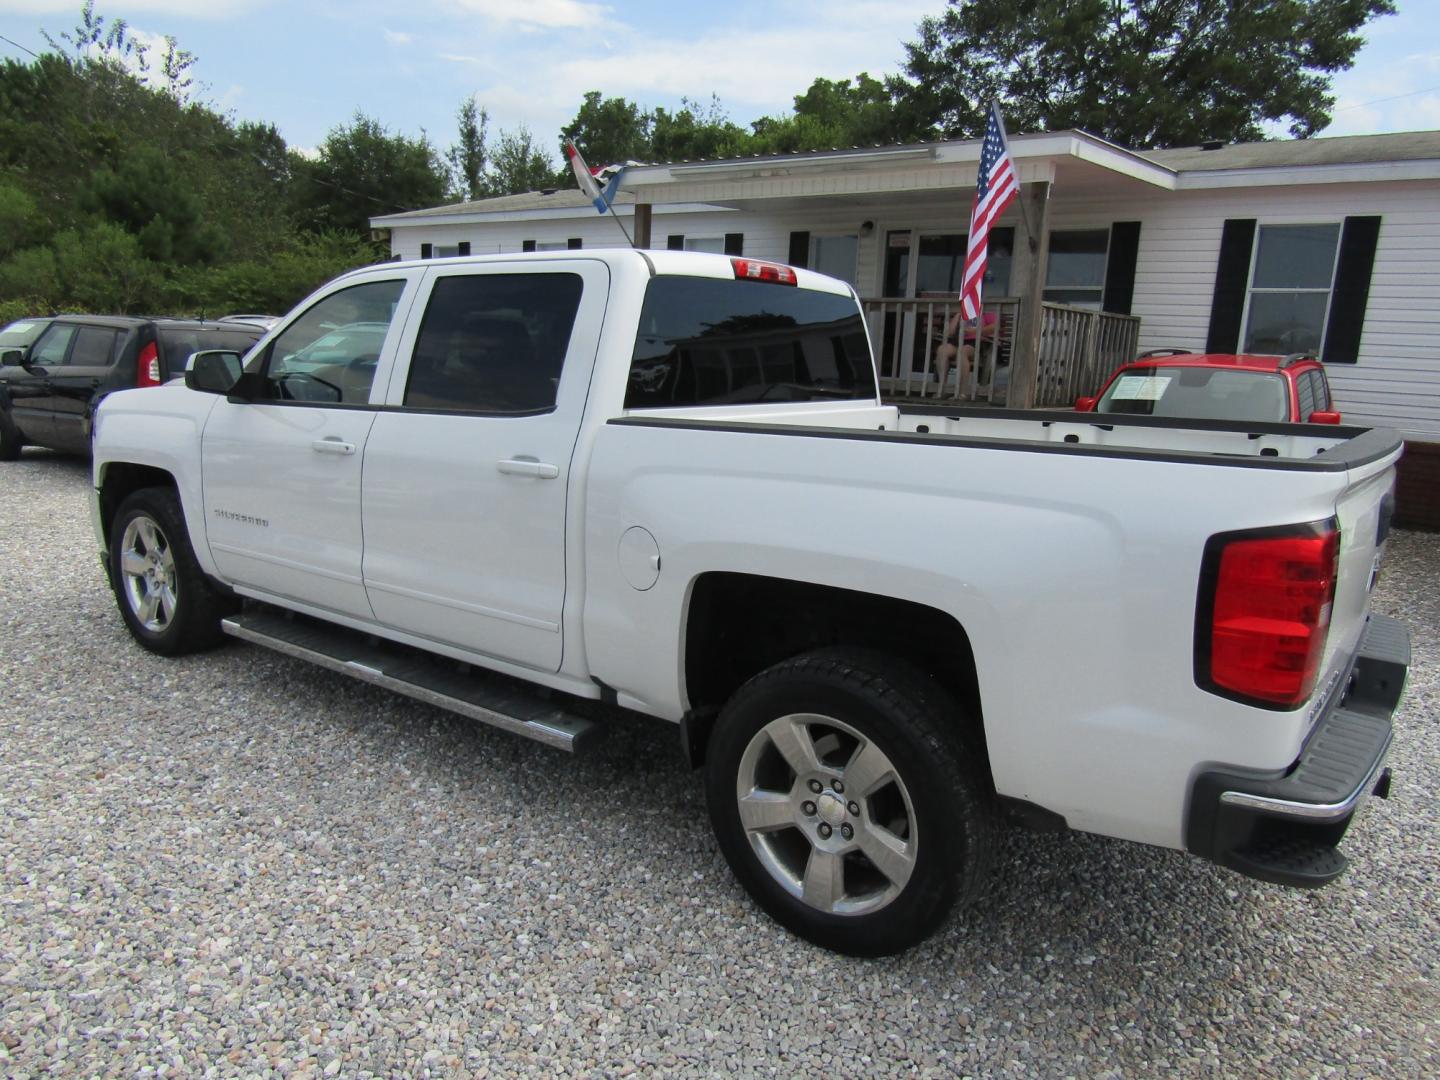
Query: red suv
[1218, 386]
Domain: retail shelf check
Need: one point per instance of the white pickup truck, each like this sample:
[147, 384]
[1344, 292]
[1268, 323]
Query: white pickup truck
[537, 489]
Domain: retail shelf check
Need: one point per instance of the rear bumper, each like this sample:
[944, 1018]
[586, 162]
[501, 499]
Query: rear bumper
[1286, 827]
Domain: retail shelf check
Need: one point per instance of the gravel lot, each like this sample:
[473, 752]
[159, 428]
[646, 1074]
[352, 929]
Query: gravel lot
[236, 863]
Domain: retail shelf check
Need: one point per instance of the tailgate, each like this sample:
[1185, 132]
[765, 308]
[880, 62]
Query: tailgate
[1363, 510]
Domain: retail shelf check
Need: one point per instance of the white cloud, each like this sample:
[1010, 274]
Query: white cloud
[396, 37]
[539, 14]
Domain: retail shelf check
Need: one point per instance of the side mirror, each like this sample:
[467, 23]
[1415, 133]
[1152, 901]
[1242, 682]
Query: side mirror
[12, 358]
[1085, 404]
[1324, 417]
[214, 371]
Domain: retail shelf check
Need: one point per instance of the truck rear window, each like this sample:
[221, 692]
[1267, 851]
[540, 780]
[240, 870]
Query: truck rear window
[707, 341]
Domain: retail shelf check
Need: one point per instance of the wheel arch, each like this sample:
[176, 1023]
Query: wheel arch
[118, 480]
[738, 625]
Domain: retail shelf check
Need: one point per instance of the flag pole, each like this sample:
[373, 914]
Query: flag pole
[1020, 199]
[611, 207]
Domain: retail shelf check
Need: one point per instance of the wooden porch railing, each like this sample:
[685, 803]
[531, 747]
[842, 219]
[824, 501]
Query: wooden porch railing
[1078, 348]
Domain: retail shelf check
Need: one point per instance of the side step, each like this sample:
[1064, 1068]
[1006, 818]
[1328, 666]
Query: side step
[502, 702]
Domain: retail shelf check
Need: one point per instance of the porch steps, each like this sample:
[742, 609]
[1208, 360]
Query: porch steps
[497, 700]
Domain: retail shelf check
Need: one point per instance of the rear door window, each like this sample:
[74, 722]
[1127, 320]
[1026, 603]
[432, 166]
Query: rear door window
[707, 341]
[94, 347]
[493, 343]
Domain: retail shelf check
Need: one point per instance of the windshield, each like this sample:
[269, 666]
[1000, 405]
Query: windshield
[1197, 393]
[708, 341]
[20, 334]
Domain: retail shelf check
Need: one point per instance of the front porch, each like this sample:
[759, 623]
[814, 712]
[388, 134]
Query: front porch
[1074, 351]
[893, 220]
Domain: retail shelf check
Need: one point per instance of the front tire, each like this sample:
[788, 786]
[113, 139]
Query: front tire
[168, 604]
[10, 440]
[847, 802]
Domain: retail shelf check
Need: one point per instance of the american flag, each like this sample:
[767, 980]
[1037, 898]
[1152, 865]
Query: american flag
[995, 189]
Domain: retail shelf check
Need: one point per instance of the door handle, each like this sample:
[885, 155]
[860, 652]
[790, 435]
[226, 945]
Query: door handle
[332, 445]
[528, 466]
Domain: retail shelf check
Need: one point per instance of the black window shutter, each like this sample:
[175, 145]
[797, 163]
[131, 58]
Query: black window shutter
[675, 242]
[1352, 289]
[426, 251]
[1120, 267]
[799, 249]
[527, 245]
[574, 243]
[463, 248]
[734, 243]
[1232, 278]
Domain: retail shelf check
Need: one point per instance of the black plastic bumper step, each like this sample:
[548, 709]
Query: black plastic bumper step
[492, 699]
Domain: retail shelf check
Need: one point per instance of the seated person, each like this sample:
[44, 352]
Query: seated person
[951, 346]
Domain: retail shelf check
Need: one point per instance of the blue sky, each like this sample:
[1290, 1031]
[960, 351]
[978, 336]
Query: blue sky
[307, 66]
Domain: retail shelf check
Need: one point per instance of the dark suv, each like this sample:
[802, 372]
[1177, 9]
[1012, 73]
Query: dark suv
[49, 388]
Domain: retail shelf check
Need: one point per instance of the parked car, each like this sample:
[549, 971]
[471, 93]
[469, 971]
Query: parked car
[665, 482]
[1218, 386]
[263, 321]
[50, 387]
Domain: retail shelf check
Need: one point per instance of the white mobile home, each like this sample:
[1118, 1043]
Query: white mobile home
[1323, 245]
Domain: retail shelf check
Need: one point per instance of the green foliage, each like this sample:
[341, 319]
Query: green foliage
[517, 165]
[609, 130]
[146, 195]
[1143, 73]
[694, 134]
[19, 218]
[834, 113]
[364, 171]
[278, 283]
[468, 158]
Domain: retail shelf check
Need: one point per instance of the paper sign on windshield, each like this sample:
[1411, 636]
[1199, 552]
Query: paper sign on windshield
[1140, 388]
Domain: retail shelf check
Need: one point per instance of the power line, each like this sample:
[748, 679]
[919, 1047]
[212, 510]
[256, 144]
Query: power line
[17, 45]
[1381, 101]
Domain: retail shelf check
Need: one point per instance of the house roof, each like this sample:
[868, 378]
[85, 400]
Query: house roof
[549, 199]
[1344, 150]
[710, 185]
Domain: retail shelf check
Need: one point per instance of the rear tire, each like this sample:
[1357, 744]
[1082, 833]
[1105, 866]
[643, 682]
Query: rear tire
[168, 604]
[847, 802]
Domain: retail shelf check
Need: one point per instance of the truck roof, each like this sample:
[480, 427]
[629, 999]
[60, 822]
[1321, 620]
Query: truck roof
[679, 263]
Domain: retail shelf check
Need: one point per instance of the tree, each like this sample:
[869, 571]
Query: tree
[835, 113]
[693, 134]
[363, 171]
[468, 157]
[517, 166]
[609, 130]
[146, 195]
[1143, 73]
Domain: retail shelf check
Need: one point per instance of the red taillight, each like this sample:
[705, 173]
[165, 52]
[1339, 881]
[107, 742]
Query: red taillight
[754, 270]
[147, 367]
[1262, 626]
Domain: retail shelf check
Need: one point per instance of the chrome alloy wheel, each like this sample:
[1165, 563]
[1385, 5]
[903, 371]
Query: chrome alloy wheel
[827, 814]
[147, 566]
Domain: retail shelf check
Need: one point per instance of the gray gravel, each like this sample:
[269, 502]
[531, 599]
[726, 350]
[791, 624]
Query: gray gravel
[237, 864]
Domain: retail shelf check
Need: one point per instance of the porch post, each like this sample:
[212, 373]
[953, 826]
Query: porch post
[642, 225]
[1030, 272]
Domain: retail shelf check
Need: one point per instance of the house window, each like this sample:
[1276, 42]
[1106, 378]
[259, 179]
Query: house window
[1075, 268]
[1292, 272]
[553, 245]
[705, 243]
[446, 251]
[835, 256]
